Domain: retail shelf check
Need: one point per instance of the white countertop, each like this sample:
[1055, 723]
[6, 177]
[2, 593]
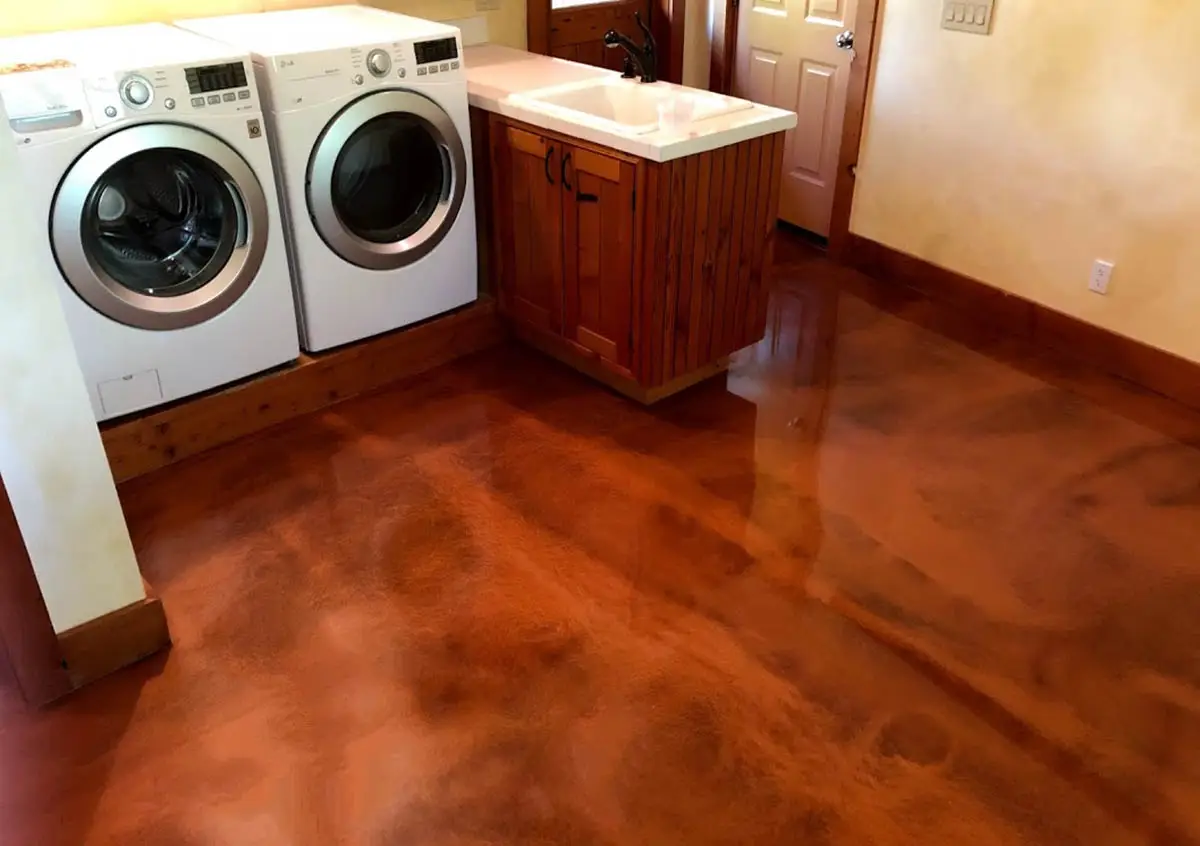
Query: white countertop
[498, 78]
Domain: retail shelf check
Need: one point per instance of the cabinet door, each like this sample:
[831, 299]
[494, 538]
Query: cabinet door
[528, 225]
[599, 222]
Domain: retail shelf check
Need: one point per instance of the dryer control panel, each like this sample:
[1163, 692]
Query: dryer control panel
[305, 78]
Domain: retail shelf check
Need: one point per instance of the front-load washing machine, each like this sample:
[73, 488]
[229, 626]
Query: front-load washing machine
[372, 134]
[144, 152]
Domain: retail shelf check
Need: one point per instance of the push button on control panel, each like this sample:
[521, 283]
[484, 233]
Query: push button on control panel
[214, 99]
[198, 102]
[244, 94]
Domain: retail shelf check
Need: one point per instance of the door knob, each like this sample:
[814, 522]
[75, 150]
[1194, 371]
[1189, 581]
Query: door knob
[845, 40]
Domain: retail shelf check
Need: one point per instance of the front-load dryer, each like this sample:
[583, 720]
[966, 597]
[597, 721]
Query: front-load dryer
[145, 155]
[372, 132]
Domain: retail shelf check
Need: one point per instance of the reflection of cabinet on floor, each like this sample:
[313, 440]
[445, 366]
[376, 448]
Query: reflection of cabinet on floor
[644, 275]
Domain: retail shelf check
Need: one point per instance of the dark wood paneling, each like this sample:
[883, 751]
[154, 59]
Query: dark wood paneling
[748, 241]
[26, 634]
[481, 163]
[709, 284]
[723, 162]
[577, 33]
[675, 245]
[685, 288]
[106, 644]
[652, 293]
[1151, 368]
[170, 434]
[668, 22]
[526, 175]
[730, 192]
[657, 202]
[700, 273]
[767, 217]
[599, 226]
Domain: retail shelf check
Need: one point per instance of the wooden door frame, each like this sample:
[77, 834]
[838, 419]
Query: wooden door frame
[667, 21]
[27, 636]
[866, 36]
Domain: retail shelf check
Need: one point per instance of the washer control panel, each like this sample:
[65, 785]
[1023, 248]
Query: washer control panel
[227, 88]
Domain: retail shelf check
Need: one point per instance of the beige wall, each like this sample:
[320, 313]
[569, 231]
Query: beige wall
[51, 458]
[1072, 133]
[505, 26]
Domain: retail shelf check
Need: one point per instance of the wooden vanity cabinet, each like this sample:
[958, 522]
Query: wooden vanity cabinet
[643, 275]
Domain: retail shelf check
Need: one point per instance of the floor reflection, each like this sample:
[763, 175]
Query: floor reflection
[895, 580]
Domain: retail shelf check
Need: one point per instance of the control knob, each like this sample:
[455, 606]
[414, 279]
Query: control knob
[379, 63]
[137, 92]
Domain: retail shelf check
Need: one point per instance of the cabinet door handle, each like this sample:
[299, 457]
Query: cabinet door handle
[565, 162]
[587, 198]
[546, 164]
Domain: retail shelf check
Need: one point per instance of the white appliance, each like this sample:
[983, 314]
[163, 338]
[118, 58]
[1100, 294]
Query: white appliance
[144, 153]
[369, 115]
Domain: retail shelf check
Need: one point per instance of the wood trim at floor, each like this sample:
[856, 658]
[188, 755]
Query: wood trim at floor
[1136, 362]
[166, 435]
[98, 647]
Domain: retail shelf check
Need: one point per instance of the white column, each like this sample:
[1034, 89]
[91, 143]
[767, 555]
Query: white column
[51, 458]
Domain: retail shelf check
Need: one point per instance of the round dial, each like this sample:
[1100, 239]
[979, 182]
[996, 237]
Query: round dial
[137, 92]
[379, 63]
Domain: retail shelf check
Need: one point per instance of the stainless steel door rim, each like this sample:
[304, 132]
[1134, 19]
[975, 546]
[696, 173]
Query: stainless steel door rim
[111, 297]
[322, 170]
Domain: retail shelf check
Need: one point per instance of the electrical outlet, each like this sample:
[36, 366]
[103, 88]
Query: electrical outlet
[1102, 272]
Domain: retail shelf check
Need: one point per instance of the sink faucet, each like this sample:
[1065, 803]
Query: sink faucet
[642, 58]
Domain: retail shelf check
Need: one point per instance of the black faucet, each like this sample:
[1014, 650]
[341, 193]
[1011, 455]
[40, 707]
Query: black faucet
[643, 58]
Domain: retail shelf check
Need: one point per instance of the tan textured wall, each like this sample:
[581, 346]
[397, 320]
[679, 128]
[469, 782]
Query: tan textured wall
[53, 463]
[505, 26]
[1070, 134]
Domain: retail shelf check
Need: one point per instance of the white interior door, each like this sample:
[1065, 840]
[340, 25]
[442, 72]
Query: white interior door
[788, 56]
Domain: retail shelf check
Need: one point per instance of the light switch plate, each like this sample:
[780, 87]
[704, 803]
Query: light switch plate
[968, 15]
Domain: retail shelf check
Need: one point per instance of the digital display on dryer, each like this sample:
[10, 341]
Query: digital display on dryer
[216, 78]
[436, 51]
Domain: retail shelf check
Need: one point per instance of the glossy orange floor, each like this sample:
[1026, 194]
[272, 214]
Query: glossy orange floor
[894, 581]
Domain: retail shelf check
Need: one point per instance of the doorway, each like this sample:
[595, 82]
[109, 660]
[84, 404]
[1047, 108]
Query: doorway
[812, 57]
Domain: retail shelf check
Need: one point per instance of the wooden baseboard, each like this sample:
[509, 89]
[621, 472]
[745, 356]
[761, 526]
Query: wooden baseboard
[590, 365]
[98, 647]
[1136, 362]
[165, 435]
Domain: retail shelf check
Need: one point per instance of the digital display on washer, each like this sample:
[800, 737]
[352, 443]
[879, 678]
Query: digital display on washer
[436, 51]
[216, 78]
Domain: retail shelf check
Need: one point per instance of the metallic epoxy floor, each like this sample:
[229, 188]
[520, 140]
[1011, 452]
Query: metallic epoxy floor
[896, 581]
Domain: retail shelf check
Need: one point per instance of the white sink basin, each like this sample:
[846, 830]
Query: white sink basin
[627, 105]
